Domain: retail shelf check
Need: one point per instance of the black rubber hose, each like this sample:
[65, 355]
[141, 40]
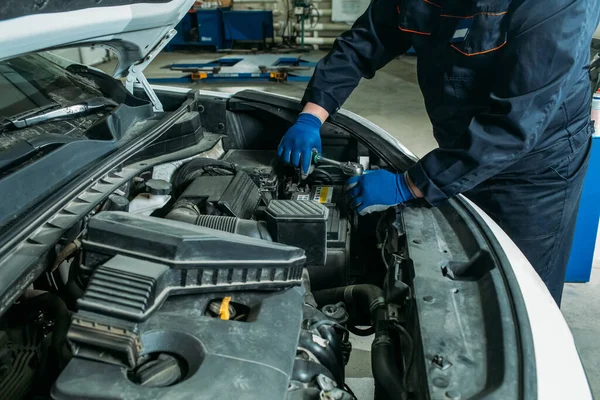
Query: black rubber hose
[369, 295]
[189, 171]
[388, 377]
[189, 213]
[73, 287]
[361, 298]
[322, 172]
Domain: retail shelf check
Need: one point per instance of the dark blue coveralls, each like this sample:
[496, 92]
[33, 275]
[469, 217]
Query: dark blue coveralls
[507, 89]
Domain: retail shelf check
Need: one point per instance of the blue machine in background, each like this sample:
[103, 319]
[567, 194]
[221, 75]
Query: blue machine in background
[248, 25]
[584, 242]
[210, 28]
[219, 28]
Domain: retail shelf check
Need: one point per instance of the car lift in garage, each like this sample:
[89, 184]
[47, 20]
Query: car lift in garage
[265, 67]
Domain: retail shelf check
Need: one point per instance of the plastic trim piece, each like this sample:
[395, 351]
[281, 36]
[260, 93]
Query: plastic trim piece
[528, 384]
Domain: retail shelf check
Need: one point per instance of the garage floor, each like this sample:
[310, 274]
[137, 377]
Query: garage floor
[393, 101]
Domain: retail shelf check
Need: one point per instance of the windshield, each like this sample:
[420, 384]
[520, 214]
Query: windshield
[34, 83]
[57, 120]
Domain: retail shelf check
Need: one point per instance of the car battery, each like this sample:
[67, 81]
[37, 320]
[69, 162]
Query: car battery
[302, 224]
[337, 232]
[331, 197]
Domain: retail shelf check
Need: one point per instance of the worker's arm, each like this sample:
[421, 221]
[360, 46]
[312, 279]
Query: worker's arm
[373, 41]
[544, 49]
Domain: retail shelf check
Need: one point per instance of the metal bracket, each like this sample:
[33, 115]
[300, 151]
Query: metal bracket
[136, 72]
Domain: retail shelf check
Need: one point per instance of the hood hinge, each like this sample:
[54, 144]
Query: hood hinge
[136, 72]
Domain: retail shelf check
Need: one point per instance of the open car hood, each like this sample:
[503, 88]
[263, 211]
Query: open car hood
[130, 28]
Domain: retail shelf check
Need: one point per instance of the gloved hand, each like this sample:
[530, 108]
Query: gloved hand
[299, 141]
[377, 190]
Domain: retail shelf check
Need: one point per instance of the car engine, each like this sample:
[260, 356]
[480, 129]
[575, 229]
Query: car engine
[202, 287]
[196, 265]
[185, 282]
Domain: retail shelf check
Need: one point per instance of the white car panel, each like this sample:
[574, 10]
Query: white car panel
[560, 373]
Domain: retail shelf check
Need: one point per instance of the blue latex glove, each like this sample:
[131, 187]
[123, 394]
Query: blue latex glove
[299, 141]
[377, 190]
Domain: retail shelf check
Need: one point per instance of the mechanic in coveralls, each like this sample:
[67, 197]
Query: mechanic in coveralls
[507, 90]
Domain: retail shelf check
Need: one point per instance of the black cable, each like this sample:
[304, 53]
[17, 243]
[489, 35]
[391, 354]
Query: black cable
[387, 233]
[347, 389]
[378, 227]
[287, 20]
[411, 353]
[311, 7]
[326, 174]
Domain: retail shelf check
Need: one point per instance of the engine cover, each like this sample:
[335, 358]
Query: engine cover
[252, 359]
[173, 310]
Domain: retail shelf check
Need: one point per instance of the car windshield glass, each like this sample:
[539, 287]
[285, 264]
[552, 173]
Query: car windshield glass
[32, 84]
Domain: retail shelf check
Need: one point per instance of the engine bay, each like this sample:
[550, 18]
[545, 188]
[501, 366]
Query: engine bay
[239, 241]
[205, 270]
[211, 270]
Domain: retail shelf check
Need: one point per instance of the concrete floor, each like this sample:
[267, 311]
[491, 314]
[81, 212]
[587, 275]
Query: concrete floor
[393, 101]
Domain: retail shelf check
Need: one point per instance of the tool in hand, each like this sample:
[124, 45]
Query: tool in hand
[348, 168]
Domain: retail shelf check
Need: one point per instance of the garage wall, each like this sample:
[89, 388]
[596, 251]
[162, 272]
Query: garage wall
[321, 30]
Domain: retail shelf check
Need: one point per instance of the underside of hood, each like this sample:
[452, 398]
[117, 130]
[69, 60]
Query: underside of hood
[130, 28]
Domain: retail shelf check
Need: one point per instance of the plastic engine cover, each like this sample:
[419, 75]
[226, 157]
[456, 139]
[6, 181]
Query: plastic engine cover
[182, 245]
[221, 360]
[302, 224]
[131, 338]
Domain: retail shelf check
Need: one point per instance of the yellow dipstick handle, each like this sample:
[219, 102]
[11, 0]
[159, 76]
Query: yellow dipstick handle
[224, 309]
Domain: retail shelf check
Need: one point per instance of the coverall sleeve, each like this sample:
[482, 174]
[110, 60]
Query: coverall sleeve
[543, 52]
[373, 41]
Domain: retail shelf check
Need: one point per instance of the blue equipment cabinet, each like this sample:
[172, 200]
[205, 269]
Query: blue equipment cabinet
[183, 28]
[248, 25]
[219, 27]
[579, 268]
[210, 28]
[201, 27]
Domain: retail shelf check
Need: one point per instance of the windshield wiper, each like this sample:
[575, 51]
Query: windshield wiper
[61, 113]
[24, 150]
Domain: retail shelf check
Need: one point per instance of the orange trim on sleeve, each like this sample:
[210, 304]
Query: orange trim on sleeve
[493, 14]
[398, 9]
[432, 3]
[478, 53]
[417, 32]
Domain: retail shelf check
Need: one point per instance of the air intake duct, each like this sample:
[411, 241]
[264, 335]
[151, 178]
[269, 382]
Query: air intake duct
[191, 214]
